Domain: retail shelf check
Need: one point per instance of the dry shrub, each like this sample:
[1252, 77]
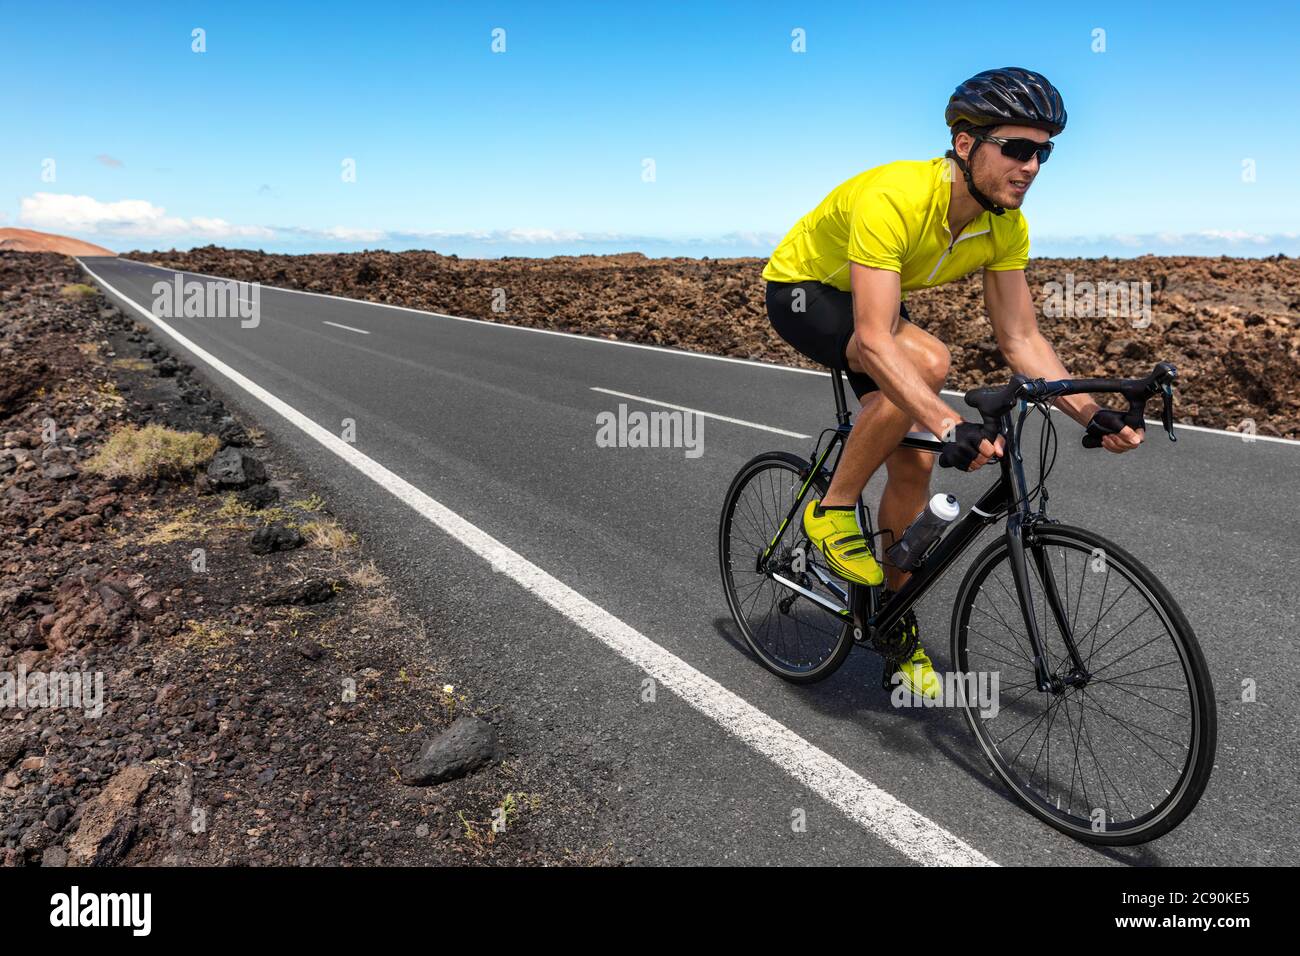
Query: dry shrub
[153, 452]
[365, 576]
[327, 535]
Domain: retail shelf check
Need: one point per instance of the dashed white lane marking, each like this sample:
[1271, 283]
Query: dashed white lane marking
[696, 411]
[884, 815]
[637, 345]
[503, 325]
[348, 327]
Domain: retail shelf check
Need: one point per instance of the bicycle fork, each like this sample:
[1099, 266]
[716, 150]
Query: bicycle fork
[1022, 547]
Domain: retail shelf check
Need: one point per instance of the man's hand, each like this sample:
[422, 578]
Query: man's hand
[1116, 437]
[969, 450]
[1126, 440]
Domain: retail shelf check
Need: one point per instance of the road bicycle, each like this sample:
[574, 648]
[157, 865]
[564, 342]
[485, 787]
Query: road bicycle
[1104, 723]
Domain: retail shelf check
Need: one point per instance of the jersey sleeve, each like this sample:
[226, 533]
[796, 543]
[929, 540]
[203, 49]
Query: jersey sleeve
[1013, 248]
[878, 231]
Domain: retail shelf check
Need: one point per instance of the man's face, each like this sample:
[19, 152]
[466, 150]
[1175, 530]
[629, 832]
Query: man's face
[1003, 179]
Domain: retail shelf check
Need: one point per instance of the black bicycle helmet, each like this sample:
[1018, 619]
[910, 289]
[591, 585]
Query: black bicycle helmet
[1006, 96]
[1009, 96]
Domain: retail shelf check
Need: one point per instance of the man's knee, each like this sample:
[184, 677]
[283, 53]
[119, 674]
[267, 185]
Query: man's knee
[927, 354]
[935, 363]
[930, 356]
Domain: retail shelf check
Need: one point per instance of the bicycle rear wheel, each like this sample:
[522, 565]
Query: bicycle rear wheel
[790, 634]
[1123, 758]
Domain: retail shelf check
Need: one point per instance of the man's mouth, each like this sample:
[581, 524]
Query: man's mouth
[1020, 185]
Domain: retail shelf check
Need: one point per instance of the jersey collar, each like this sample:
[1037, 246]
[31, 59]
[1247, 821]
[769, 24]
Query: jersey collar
[945, 173]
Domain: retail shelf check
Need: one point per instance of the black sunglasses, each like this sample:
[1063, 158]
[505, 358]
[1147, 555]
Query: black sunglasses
[1021, 149]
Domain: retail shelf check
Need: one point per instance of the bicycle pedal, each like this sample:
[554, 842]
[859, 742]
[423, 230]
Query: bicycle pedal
[889, 668]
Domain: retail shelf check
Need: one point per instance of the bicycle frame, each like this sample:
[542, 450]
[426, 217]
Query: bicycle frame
[869, 618]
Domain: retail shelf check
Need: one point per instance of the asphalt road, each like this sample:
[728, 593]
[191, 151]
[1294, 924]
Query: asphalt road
[498, 425]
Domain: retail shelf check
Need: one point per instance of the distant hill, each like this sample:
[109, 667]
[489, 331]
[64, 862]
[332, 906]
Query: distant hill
[29, 240]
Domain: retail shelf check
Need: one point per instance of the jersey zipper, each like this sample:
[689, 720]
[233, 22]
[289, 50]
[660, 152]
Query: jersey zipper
[952, 242]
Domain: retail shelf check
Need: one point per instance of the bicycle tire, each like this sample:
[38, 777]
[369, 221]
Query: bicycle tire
[793, 472]
[1199, 762]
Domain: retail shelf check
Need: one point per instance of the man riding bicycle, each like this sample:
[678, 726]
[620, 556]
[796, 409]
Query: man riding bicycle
[835, 286]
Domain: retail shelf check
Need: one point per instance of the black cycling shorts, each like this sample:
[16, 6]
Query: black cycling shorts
[823, 329]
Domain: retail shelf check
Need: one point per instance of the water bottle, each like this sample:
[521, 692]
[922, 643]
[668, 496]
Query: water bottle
[907, 552]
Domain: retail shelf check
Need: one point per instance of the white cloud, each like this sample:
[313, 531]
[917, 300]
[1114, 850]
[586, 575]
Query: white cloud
[58, 212]
[763, 242]
[518, 236]
[1240, 235]
[218, 228]
[538, 235]
[348, 234]
[1200, 242]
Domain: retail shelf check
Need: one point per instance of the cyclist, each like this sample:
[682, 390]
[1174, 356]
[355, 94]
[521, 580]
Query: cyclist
[835, 286]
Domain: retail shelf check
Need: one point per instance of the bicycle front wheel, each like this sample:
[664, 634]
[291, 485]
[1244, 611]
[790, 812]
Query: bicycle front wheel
[1121, 758]
[791, 634]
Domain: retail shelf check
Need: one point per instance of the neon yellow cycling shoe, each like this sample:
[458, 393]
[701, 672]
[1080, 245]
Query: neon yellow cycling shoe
[836, 534]
[917, 674]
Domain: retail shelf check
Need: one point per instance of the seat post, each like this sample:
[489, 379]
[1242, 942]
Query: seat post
[841, 406]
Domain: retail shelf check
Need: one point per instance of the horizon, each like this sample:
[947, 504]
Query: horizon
[592, 131]
[516, 254]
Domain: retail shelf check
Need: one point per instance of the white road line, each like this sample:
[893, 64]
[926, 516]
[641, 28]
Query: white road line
[1240, 436]
[636, 345]
[696, 411]
[893, 821]
[348, 327]
[1156, 426]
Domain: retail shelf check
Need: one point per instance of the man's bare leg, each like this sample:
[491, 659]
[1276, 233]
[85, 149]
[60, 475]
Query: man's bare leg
[879, 428]
[906, 493]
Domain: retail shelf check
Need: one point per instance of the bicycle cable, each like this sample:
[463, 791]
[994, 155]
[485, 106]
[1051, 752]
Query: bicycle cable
[1048, 446]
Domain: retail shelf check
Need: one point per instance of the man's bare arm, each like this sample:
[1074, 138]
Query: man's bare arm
[1015, 323]
[875, 319]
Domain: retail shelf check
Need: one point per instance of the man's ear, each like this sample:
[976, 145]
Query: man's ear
[962, 143]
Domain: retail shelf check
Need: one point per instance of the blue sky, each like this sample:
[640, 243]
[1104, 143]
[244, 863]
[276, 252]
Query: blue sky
[541, 149]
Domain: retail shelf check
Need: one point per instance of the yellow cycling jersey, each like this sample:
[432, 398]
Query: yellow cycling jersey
[895, 217]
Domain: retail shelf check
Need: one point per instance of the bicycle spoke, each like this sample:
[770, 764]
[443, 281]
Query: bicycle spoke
[1146, 701]
[1023, 657]
[1101, 769]
[1126, 725]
